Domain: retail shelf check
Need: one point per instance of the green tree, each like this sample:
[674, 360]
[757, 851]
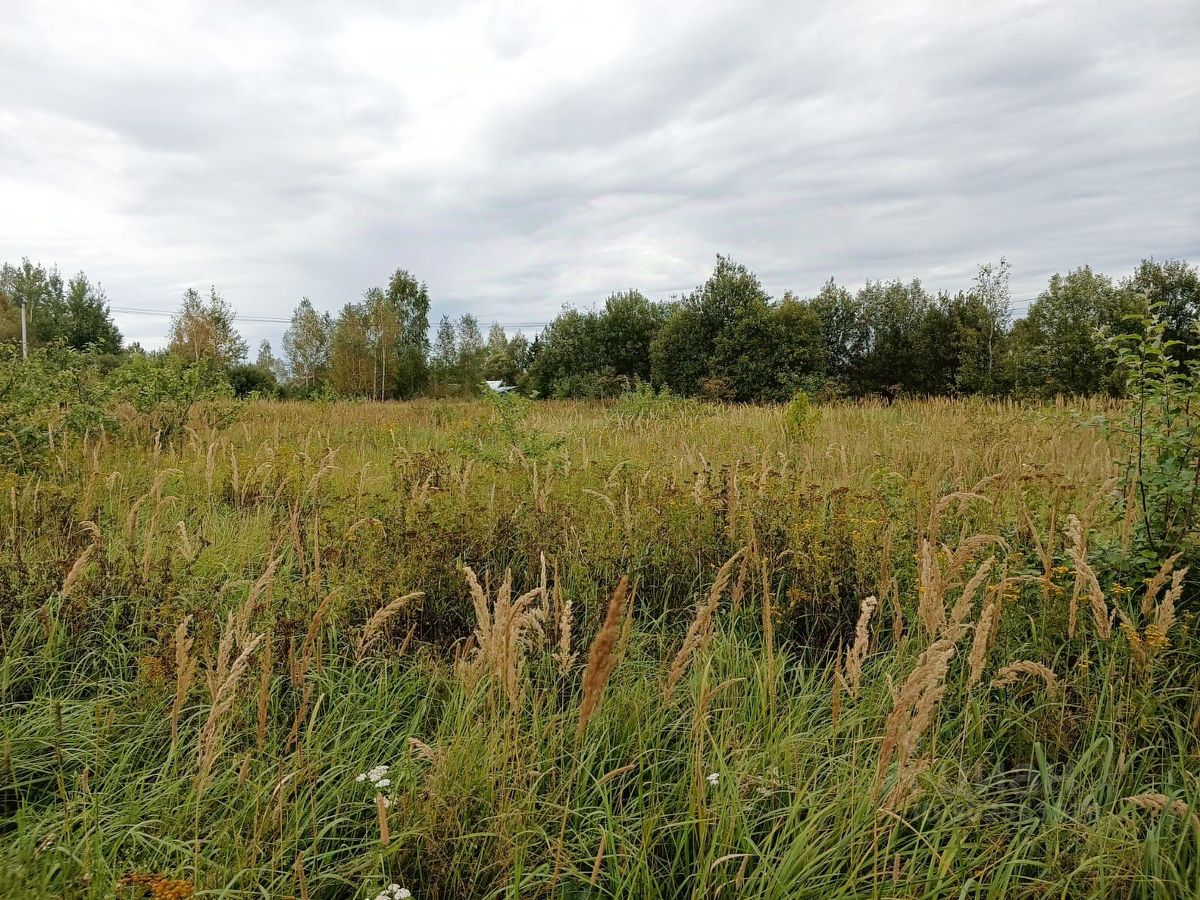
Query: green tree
[682, 349]
[570, 356]
[1172, 288]
[353, 365]
[680, 352]
[893, 313]
[770, 351]
[960, 346]
[983, 326]
[203, 329]
[306, 345]
[269, 363]
[1064, 342]
[41, 292]
[444, 356]
[74, 314]
[409, 299]
[470, 354]
[503, 361]
[627, 327]
[843, 331]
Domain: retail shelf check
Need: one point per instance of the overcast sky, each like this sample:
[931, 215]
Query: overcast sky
[518, 155]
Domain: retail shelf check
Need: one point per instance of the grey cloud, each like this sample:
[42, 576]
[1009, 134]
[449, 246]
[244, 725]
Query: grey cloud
[856, 141]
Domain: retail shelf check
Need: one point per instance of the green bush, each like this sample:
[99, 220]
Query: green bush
[799, 416]
[165, 392]
[494, 440]
[55, 391]
[642, 403]
[1159, 428]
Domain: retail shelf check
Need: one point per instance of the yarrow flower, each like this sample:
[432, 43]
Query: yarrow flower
[394, 892]
[379, 780]
[713, 778]
[377, 776]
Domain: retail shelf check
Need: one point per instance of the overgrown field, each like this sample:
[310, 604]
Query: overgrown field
[877, 652]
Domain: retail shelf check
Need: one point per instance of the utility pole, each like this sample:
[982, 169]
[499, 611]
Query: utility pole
[24, 336]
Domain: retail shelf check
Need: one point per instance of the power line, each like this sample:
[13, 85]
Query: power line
[144, 311]
[1017, 306]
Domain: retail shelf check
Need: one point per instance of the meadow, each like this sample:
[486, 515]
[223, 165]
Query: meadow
[650, 648]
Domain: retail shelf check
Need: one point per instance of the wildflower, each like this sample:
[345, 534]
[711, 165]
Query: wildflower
[713, 778]
[377, 776]
[1155, 639]
[394, 892]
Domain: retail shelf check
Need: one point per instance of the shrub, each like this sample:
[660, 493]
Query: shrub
[54, 391]
[494, 440]
[165, 392]
[249, 380]
[799, 416]
[642, 404]
[1160, 431]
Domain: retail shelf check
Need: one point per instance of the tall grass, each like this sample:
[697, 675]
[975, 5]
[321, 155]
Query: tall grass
[669, 655]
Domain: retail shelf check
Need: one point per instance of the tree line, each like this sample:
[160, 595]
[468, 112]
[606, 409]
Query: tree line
[726, 340]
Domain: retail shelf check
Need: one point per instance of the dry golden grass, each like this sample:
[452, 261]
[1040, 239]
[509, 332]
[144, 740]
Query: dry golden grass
[602, 658]
[1012, 673]
[375, 626]
[209, 742]
[700, 630]
[911, 717]
[185, 671]
[504, 629]
[855, 656]
[1161, 803]
[1086, 583]
[77, 570]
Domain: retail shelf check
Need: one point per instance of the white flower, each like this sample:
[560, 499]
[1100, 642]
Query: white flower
[713, 777]
[394, 892]
[377, 775]
[387, 801]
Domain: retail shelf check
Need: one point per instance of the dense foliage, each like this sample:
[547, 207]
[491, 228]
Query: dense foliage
[726, 340]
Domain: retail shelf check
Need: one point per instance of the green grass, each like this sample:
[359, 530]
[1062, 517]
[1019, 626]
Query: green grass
[1022, 794]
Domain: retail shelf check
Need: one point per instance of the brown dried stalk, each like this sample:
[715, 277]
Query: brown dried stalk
[857, 653]
[304, 666]
[264, 692]
[208, 747]
[962, 607]
[1155, 584]
[985, 629]
[1085, 583]
[1164, 612]
[1012, 673]
[601, 658]
[1161, 803]
[185, 671]
[564, 656]
[701, 628]
[77, 570]
[909, 719]
[503, 632]
[376, 624]
[381, 808]
[768, 612]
